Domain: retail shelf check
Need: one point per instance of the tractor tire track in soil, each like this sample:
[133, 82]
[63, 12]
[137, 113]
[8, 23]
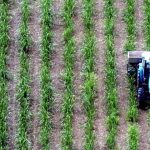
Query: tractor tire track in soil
[139, 16]
[56, 71]
[35, 32]
[121, 61]
[13, 68]
[78, 114]
[100, 102]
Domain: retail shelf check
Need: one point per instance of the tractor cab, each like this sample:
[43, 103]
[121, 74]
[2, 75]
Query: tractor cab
[139, 68]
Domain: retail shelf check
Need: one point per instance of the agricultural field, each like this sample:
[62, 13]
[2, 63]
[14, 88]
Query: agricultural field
[63, 74]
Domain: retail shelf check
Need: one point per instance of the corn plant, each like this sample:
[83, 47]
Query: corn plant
[133, 139]
[147, 23]
[69, 49]
[110, 71]
[132, 116]
[4, 43]
[129, 18]
[132, 110]
[23, 88]
[89, 73]
[46, 99]
[130, 45]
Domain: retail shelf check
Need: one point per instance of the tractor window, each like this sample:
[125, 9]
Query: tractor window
[143, 63]
[148, 65]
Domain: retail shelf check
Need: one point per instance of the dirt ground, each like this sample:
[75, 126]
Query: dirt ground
[79, 117]
[120, 39]
[57, 69]
[100, 102]
[13, 68]
[35, 32]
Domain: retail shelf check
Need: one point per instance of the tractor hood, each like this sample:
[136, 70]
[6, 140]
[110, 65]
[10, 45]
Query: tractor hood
[136, 56]
[146, 56]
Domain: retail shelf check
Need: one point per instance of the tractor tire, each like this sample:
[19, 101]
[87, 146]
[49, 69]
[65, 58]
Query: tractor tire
[141, 100]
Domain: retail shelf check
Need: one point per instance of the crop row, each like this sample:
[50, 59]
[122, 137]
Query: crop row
[4, 43]
[133, 133]
[23, 88]
[69, 49]
[147, 23]
[129, 18]
[46, 99]
[89, 73]
[110, 81]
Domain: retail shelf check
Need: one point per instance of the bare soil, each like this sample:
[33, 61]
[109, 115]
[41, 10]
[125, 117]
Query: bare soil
[144, 130]
[139, 16]
[120, 39]
[35, 32]
[100, 101]
[13, 68]
[56, 71]
[78, 114]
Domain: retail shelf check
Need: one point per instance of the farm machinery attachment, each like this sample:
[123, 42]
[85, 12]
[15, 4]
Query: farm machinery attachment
[138, 68]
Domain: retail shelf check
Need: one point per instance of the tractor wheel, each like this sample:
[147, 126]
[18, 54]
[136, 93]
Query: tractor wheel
[141, 99]
[140, 94]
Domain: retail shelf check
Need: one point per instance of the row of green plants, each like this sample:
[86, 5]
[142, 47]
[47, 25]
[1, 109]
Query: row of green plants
[132, 100]
[129, 18]
[111, 74]
[23, 88]
[89, 73]
[4, 43]
[68, 100]
[147, 24]
[132, 114]
[133, 130]
[133, 137]
[46, 99]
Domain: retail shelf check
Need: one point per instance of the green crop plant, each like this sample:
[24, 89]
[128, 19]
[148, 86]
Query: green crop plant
[132, 116]
[133, 139]
[4, 43]
[46, 98]
[132, 110]
[110, 79]
[147, 23]
[130, 45]
[23, 88]
[89, 73]
[129, 18]
[68, 101]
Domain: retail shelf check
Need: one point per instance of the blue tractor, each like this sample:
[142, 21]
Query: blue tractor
[138, 67]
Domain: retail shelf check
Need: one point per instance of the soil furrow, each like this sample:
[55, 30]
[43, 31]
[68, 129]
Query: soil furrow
[143, 130]
[78, 114]
[35, 32]
[56, 71]
[13, 68]
[139, 17]
[120, 39]
[100, 103]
